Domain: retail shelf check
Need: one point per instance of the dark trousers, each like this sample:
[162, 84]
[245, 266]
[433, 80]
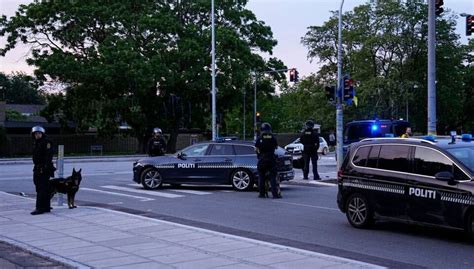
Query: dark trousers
[43, 191]
[267, 170]
[314, 162]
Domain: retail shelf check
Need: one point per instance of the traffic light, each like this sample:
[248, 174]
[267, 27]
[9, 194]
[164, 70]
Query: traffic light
[330, 93]
[258, 117]
[348, 88]
[439, 7]
[293, 75]
[469, 24]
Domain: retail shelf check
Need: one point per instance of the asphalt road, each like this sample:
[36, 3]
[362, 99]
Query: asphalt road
[307, 217]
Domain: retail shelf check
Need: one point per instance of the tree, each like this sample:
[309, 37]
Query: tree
[20, 88]
[384, 48]
[143, 62]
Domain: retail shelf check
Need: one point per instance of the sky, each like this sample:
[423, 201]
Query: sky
[288, 19]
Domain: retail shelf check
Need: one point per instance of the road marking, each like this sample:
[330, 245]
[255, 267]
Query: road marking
[143, 199]
[183, 191]
[147, 192]
[305, 205]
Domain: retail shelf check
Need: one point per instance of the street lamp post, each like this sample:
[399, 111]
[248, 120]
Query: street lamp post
[338, 94]
[213, 46]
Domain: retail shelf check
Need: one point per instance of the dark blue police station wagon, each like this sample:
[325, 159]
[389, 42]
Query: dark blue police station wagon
[207, 163]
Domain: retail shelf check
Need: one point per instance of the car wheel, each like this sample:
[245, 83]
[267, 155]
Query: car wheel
[325, 151]
[241, 180]
[358, 211]
[470, 226]
[151, 179]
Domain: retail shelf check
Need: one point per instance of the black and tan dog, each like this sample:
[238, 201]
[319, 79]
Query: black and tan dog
[69, 186]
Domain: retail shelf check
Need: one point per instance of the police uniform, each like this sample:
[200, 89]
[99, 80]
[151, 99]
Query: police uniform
[266, 145]
[310, 141]
[156, 146]
[43, 169]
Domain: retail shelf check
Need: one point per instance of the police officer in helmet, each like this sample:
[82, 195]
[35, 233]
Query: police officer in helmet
[310, 141]
[156, 144]
[43, 169]
[265, 145]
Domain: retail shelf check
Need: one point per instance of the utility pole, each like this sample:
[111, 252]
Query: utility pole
[339, 97]
[431, 67]
[214, 130]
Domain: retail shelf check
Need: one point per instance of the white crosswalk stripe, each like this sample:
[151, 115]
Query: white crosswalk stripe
[183, 191]
[143, 199]
[145, 192]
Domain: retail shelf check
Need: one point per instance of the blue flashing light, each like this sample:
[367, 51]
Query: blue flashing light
[466, 137]
[389, 135]
[429, 138]
[375, 128]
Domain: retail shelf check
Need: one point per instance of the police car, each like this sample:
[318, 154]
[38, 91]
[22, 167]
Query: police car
[428, 181]
[222, 162]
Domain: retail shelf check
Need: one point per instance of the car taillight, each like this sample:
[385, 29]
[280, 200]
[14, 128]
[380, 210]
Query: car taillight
[339, 176]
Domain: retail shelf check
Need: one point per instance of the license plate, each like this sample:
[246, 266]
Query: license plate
[287, 162]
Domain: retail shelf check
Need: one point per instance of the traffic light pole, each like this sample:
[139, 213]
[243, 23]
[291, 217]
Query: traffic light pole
[339, 97]
[431, 68]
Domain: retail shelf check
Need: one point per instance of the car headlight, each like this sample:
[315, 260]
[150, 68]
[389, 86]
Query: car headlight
[137, 164]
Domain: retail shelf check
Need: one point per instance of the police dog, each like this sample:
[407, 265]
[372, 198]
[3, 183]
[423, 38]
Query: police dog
[69, 186]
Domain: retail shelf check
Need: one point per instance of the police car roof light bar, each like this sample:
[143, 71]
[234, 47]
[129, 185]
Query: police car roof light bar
[466, 137]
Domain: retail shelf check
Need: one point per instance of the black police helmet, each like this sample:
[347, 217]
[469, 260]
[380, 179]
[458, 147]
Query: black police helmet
[309, 124]
[266, 127]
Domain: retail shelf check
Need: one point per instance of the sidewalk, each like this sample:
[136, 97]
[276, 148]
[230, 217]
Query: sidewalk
[78, 159]
[94, 237]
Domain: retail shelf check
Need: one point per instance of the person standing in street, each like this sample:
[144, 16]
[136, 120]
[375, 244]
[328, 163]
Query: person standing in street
[407, 133]
[310, 141]
[43, 169]
[332, 139]
[265, 145]
[156, 144]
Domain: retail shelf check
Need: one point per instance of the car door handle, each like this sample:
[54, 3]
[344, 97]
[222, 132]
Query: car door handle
[228, 160]
[197, 160]
[413, 182]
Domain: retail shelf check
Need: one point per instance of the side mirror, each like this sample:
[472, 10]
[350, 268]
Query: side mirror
[446, 176]
[180, 155]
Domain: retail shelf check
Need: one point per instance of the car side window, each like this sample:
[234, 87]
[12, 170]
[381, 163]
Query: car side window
[429, 162]
[244, 150]
[394, 158]
[197, 150]
[459, 174]
[373, 157]
[361, 156]
[221, 149]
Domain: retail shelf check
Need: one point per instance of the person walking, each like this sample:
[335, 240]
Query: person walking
[266, 145]
[407, 133]
[43, 169]
[156, 144]
[310, 141]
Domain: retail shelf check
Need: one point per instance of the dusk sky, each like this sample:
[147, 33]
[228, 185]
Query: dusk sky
[288, 19]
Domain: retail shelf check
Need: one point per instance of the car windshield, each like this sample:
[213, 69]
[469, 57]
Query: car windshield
[195, 150]
[465, 155]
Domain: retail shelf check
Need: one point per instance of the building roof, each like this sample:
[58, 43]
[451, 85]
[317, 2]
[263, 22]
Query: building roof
[25, 109]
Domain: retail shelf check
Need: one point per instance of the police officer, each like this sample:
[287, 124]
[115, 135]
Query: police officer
[310, 141]
[43, 169]
[156, 144]
[265, 145]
